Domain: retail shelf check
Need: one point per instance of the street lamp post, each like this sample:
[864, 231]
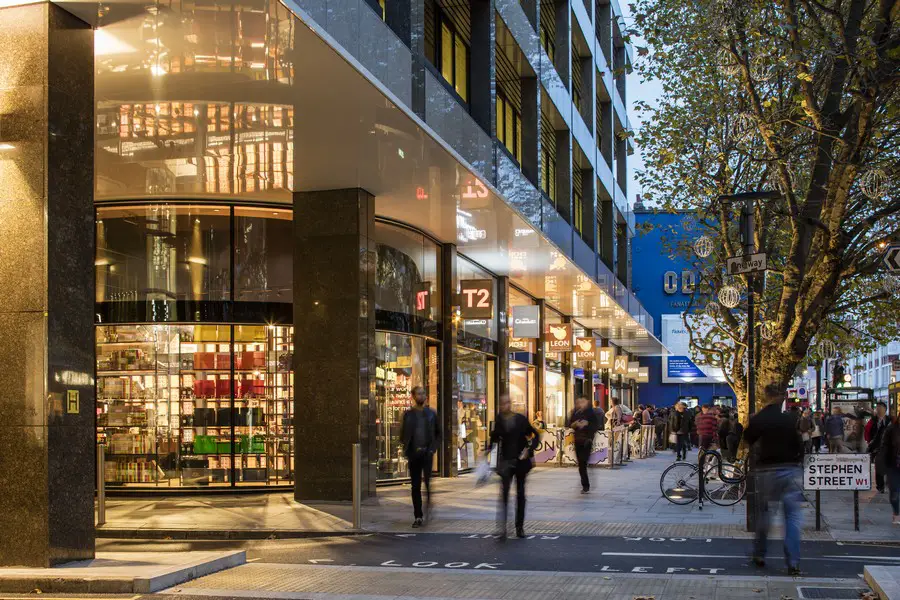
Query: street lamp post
[748, 241]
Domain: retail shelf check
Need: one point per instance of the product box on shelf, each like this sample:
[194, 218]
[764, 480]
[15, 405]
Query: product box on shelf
[223, 388]
[204, 444]
[204, 360]
[223, 360]
[204, 388]
[251, 360]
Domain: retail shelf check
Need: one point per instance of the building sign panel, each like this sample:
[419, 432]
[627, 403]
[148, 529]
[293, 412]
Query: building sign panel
[585, 348]
[605, 357]
[526, 322]
[643, 375]
[679, 367]
[620, 365]
[634, 368]
[476, 298]
[559, 337]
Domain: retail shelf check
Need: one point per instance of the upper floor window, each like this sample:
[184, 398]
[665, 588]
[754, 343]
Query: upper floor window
[578, 219]
[509, 127]
[453, 59]
[547, 43]
[548, 175]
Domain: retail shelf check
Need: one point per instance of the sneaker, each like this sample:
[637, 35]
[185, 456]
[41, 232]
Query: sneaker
[585, 490]
[417, 523]
[794, 571]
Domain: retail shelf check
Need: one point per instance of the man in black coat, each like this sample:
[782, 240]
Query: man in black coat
[586, 424]
[420, 433]
[517, 440]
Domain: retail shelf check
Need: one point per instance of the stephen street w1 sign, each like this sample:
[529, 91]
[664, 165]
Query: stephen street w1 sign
[892, 258]
[837, 472]
[749, 263]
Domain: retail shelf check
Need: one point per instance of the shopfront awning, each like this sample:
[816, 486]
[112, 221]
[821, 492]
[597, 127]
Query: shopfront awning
[351, 131]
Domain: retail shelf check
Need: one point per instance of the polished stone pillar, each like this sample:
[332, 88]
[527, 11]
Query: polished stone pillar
[448, 411]
[334, 342]
[540, 361]
[47, 432]
[502, 337]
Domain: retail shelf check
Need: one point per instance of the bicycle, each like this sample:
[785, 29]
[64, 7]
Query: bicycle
[724, 484]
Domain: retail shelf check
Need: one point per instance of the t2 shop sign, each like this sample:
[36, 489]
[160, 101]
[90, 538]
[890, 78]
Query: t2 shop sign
[559, 337]
[476, 298]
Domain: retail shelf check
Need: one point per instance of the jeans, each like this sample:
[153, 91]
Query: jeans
[817, 443]
[583, 453]
[779, 485]
[419, 470]
[836, 444]
[682, 445]
[893, 477]
[519, 470]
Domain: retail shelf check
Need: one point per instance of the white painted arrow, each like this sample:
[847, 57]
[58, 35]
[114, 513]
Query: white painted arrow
[404, 535]
[316, 561]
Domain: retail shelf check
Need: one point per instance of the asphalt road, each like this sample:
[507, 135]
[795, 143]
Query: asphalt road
[678, 556]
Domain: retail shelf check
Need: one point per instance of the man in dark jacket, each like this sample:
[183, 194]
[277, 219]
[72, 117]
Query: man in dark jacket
[875, 429]
[681, 423]
[585, 423]
[420, 433]
[517, 440]
[777, 473]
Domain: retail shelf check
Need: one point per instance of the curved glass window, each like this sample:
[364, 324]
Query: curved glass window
[189, 262]
[407, 281]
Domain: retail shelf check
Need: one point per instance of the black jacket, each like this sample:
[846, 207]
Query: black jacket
[680, 422]
[776, 432]
[513, 437]
[890, 452]
[586, 434]
[878, 432]
[432, 431]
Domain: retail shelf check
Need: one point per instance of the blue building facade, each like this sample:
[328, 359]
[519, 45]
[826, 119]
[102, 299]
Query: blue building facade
[662, 281]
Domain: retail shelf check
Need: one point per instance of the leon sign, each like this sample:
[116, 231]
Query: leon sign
[559, 337]
[837, 472]
[585, 348]
[476, 298]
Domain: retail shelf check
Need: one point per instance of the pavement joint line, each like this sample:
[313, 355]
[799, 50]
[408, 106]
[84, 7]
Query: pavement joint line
[553, 574]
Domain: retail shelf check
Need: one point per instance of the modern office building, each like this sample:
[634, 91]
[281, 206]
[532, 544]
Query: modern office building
[664, 283]
[875, 370]
[235, 236]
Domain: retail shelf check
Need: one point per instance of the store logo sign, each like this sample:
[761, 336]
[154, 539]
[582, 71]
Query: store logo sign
[520, 344]
[585, 348]
[620, 365]
[633, 369]
[643, 375]
[476, 299]
[526, 322]
[605, 357]
[422, 295]
[559, 337]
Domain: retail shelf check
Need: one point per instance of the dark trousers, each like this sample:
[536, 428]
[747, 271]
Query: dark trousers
[420, 470]
[583, 453]
[817, 443]
[879, 473]
[519, 470]
[682, 445]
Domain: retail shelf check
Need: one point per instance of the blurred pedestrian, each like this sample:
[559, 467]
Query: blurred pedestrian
[707, 426]
[517, 440]
[724, 428]
[817, 432]
[875, 430]
[420, 432]
[777, 473]
[834, 430]
[680, 423]
[890, 453]
[584, 422]
[615, 416]
[805, 427]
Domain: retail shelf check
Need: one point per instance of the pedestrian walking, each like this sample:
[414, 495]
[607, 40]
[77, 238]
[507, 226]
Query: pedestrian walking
[734, 436]
[777, 473]
[722, 434]
[420, 433]
[805, 427]
[615, 416]
[517, 440]
[680, 426]
[817, 432]
[585, 423]
[874, 435]
[834, 430]
[890, 452]
[707, 427]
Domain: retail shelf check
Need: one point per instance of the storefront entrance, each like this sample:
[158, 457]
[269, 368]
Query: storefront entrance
[522, 388]
[476, 376]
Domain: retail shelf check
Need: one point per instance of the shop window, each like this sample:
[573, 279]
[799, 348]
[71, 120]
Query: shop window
[263, 264]
[547, 43]
[403, 362]
[453, 59]
[195, 405]
[475, 376]
[509, 127]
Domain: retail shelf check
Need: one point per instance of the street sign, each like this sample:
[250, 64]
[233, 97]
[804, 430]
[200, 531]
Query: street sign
[891, 258]
[748, 263]
[851, 472]
[895, 366]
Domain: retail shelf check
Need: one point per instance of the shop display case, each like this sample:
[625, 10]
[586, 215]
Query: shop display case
[195, 405]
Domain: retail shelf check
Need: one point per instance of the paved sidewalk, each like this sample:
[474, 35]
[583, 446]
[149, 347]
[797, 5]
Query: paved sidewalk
[624, 501]
[266, 580]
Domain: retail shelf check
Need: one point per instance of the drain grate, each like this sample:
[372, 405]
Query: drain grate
[825, 593]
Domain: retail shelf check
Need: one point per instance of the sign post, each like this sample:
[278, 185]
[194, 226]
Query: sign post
[836, 472]
[747, 263]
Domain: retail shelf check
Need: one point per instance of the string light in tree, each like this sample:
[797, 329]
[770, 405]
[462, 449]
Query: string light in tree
[761, 68]
[729, 296]
[728, 65]
[767, 330]
[744, 125]
[712, 309]
[890, 283]
[703, 246]
[827, 349]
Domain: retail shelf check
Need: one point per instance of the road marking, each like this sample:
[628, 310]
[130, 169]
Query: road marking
[890, 558]
[405, 535]
[656, 555]
[316, 561]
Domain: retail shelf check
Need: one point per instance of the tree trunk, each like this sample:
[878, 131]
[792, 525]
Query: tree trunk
[773, 374]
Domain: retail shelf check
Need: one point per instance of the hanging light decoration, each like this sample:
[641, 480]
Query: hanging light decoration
[688, 223]
[872, 183]
[703, 246]
[729, 296]
[761, 68]
[728, 65]
[767, 330]
[712, 309]
[827, 349]
[891, 284]
[744, 125]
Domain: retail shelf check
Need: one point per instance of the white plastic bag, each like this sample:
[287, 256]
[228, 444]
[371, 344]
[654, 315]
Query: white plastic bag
[483, 472]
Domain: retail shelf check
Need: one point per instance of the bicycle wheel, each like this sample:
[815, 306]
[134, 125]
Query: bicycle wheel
[680, 484]
[727, 490]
